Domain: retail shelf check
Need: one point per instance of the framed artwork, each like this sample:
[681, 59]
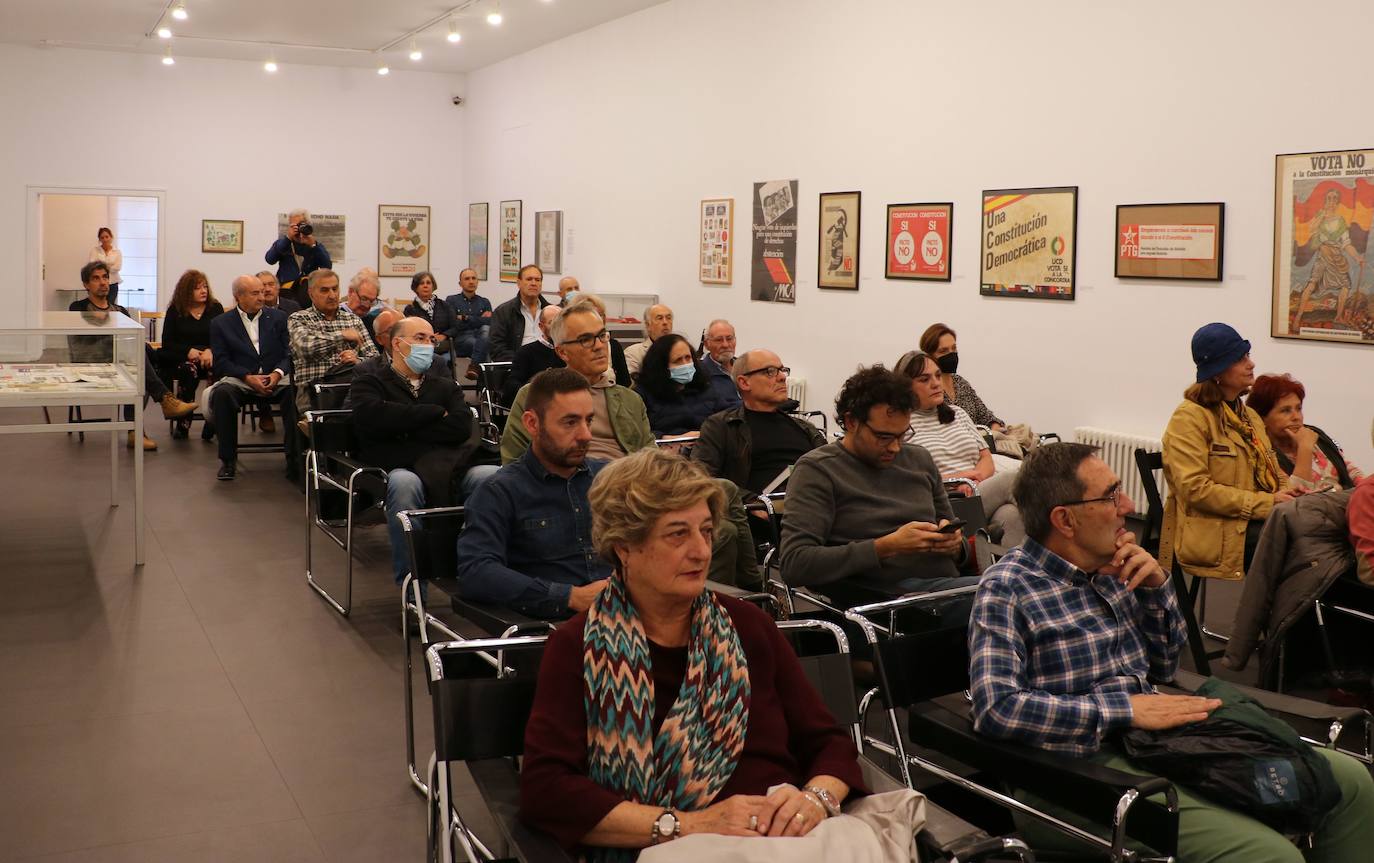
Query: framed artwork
[221, 235]
[403, 239]
[716, 261]
[1029, 243]
[919, 237]
[477, 239]
[1322, 213]
[329, 229]
[510, 240]
[837, 250]
[1169, 241]
[548, 241]
[772, 277]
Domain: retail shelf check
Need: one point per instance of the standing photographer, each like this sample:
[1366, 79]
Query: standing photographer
[297, 254]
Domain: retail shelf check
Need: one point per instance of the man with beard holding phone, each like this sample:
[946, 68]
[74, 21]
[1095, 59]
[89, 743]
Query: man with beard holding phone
[297, 254]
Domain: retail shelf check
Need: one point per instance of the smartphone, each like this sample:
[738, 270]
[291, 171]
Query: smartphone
[954, 526]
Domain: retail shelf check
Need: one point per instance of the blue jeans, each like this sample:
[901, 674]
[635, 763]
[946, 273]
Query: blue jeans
[472, 343]
[405, 491]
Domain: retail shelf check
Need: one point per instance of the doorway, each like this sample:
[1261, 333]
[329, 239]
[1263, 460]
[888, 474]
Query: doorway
[70, 232]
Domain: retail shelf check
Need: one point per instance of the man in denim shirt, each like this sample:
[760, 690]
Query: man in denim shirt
[527, 544]
[474, 321]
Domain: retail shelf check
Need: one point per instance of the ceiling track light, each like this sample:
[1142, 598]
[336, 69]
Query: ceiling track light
[494, 17]
[167, 59]
[414, 51]
[453, 35]
[164, 32]
[382, 68]
[179, 11]
[271, 64]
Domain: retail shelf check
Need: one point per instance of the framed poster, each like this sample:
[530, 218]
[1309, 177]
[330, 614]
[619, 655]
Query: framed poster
[771, 278]
[221, 235]
[548, 241]
[1322, 208]
[403, 239]
[837, 250]
[1029, 243]
[329, 229]
[715, 265]
[477, 239]
[1170, 241]
[918, 241]
[510, 240]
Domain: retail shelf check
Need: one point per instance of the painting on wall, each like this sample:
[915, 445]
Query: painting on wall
[837, 252]
[1322, 219]
[1170, 241]
[221, 235]
[403, 239]
[510, 240]
[918, 241]
[329, 229]
[716, 261]
[477, 239]
[772, 276]
[1029, 243]
[548, 241]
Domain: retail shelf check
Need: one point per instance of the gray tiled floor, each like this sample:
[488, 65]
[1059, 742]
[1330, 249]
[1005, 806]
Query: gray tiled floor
[207, 706]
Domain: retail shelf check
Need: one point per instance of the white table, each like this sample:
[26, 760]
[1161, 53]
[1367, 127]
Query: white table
[53, 379]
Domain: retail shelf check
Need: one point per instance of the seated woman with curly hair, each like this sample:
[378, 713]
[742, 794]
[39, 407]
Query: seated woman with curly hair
[1307, 454]
[677, 391]
[667, 709]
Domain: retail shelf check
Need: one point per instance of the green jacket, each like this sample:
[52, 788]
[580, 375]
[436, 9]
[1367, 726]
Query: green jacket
[629, 421]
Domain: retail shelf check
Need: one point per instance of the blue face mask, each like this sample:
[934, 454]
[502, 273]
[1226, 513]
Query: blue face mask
[683, 374]
[420, 358]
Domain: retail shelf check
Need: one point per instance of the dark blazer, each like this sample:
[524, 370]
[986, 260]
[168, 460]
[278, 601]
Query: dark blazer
[508, 329]
[726, 448]
[233, 350]
[530, 360]
[618, 364]
[286, 305]
[443, 320]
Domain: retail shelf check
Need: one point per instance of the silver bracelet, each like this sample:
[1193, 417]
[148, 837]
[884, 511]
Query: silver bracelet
[828, 801]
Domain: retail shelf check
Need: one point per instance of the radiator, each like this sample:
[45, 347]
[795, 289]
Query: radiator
[796, 389]
[1118, 451]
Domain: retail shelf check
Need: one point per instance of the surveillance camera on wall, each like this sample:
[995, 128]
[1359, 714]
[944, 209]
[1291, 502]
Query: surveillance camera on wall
[457, 100]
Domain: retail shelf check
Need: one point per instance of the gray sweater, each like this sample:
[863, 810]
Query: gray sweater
[837, 506]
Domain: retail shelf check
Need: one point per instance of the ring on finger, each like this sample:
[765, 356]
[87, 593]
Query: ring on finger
[800, 817]
[754, 823]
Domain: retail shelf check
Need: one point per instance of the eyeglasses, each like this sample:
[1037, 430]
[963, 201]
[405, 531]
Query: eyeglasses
[1113, 496]
[588, 340]
[887, 438]
[770, 371]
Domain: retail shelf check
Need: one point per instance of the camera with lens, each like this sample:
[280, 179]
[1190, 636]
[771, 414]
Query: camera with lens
[305, 229]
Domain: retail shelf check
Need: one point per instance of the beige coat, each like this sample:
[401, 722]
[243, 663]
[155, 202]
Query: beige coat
[1212, 492]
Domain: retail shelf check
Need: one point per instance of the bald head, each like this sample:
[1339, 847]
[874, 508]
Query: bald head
[405, 333]
[758, 391]
[658, 321]
[567, 285]
[382, 326]
[546, 316]
[247, 294]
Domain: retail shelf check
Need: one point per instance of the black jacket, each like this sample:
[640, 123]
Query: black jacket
[530, 360]
[181, 333]
[431, 433]
[443, 321]
[508, 329]
[1330, 450]
[725, 447]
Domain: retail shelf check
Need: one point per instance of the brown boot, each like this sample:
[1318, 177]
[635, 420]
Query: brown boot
[148, 443]
[471, 373]
[267, 425]
[174, 408]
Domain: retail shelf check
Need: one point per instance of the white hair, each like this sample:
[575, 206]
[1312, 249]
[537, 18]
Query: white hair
[299, 211]
[560, 323]
[366, 274]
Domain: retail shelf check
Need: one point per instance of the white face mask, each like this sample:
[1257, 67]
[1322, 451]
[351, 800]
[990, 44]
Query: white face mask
[683, 374]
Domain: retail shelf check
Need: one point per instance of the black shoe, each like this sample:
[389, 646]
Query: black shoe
[180, 428]
[207, 431]
[226, 470]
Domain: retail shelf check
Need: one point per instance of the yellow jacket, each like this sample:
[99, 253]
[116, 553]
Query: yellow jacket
[1212, 492]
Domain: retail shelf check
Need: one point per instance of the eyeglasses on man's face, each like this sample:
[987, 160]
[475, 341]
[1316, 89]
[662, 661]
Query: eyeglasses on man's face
[588, 340]
[769, 372]
[1113, 496]
[889, 438]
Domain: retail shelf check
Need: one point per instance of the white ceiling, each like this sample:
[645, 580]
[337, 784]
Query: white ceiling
[247, 29]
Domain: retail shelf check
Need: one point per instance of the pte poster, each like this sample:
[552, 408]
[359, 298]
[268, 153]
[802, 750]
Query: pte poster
[773, 274]
[717, 241]
[403, 240]
[1029, 243]
[477, 239]
[837, 264]
[918, 241]
[1170, 241]
[510, 240]
[1323, 281]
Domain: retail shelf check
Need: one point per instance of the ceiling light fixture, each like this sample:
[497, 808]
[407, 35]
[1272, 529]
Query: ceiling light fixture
[179, 12]
[164, 32]
[382, 68]
[167, 59]
[453, 35]
[271, 64]
[494, 16]
[414, 51]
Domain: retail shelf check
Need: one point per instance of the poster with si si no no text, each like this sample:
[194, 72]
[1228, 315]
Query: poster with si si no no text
[918, 241]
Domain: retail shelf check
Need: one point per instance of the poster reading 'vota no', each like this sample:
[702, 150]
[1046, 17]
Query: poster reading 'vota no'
[773, 274]
[1028, 243]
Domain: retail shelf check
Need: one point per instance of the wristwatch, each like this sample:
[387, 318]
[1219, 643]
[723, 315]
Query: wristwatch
[666, 827]
[832, 806]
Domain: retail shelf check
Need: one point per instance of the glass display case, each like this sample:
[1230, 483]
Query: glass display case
[625, 315]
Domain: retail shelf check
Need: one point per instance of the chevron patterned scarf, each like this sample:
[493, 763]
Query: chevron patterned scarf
[698, 746]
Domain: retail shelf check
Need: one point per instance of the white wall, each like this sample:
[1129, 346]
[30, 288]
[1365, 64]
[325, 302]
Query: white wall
[228, 141]
[70, 223]
[627, 126]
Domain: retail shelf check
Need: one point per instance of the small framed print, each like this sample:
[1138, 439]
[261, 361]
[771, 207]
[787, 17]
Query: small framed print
[837, 264]
[919, 237]
[477, 239]
[548, 241]
[509, 225]
[221, 235]
[717, 241]
[1170, 241]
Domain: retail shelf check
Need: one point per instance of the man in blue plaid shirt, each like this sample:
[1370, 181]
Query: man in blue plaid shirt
[1067, 631]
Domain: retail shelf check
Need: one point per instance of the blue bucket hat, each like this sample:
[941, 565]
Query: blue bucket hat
[1217, 347]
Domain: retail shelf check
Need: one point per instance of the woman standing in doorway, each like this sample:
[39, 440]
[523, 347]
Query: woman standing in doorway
[106, 253]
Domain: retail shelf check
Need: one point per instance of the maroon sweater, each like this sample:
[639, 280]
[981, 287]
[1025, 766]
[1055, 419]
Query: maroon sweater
[791, 736]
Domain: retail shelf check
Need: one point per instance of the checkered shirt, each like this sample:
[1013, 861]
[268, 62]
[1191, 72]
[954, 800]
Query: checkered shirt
[1055, 654]
[316, 343]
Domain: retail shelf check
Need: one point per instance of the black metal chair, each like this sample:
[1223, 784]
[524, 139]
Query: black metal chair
[491, 412]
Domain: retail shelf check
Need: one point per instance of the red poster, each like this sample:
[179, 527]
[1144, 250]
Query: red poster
[918, 241]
